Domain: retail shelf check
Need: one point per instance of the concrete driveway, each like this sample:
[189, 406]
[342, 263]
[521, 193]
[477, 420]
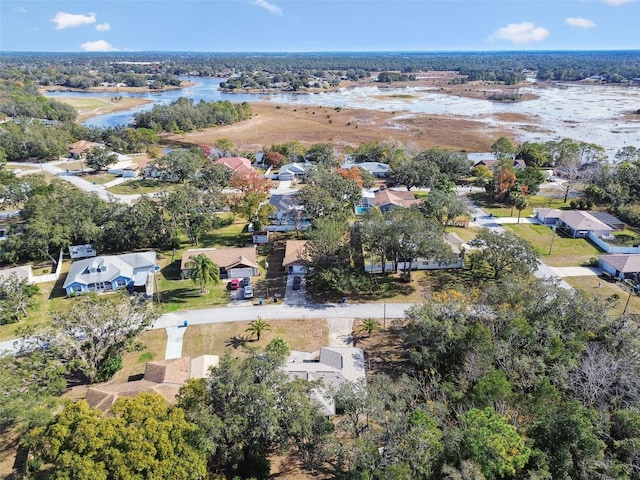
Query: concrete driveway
[296, 297]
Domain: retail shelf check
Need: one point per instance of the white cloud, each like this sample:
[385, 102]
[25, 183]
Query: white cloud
[268, 6]
[524, 32]
[103, 27]
[580, 22]
[616, 3]
[97, 46]
[20, 10]
[68, 20]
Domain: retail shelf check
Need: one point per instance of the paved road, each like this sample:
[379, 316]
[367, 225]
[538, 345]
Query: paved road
[281, 311]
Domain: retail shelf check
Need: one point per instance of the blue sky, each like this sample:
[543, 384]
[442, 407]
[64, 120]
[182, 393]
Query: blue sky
[318, 25]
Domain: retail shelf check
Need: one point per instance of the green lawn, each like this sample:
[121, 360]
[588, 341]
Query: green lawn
[141, 186]
[101, 178]
[610, 291]
[627, 237]
[499, 209]
[565, 251]
[465, 234]
[84, 103]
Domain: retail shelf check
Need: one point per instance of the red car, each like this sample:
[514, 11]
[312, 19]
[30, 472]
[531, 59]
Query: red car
[234, 284]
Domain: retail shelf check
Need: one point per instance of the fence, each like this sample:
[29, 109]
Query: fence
[606, 247]
[50, 277]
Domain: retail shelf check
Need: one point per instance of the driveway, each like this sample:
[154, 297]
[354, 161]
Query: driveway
[296, 297]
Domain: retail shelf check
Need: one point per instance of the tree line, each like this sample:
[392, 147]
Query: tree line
[57, 68]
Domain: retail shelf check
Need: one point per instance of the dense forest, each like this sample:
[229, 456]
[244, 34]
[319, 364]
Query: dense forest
[161, 69]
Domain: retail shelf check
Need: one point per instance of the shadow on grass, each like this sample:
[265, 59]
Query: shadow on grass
[172, 270]
[179, 295]
[460, 280]
[238, 341]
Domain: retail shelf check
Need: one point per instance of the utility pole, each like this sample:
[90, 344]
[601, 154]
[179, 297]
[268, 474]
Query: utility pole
[552, 238]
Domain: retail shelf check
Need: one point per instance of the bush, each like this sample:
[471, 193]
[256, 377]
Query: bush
[109, 369]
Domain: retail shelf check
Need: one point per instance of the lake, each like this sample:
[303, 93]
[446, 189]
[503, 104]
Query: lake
[590, 113]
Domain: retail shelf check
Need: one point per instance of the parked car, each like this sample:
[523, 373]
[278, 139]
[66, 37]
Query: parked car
[297, 281]
[246, 281]
[248, 291]
[234, 284]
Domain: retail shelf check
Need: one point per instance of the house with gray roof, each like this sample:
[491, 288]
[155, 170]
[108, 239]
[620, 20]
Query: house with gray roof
[333, 366]
[576, 223]
[294, 170]
[112, 272]
[622, 266]
[377, 169]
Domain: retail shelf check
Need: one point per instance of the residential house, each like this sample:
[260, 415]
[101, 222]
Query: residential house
[289, 215]
[241, 166]
[80, 148]
[291, 171]
[233, 262]
[576, 223]
[584, 170]
[422, 263]
[622, 266]
[133, 271]
[295, 257]
[165, 377]
[333, 366]
[378, 170]
[517, 163]
[386, 199]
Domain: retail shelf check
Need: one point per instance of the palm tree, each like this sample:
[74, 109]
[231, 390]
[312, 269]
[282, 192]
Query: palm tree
[257, 327]
[521, 203]
[369, 326]
[202, 270]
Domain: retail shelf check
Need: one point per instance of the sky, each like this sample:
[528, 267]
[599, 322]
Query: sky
[318, 25]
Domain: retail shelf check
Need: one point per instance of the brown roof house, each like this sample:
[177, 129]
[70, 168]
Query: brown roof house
[80, 148]
[240, 165]
[386, 199]
[295, 257]
[233, 262]
[163, 376]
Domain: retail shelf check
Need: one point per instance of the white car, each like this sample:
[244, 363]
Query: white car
[248, 291]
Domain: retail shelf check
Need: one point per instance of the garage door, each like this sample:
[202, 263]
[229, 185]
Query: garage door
[240, 272]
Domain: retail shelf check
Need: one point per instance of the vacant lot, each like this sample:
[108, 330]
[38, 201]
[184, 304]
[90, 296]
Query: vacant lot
[565, 251]
[610, 291]
[216, 339]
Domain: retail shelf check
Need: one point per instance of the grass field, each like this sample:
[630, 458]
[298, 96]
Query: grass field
[155, 345]
[499, 209]
[215, 339]
[595, 286]
[565, 251]
[90, 106]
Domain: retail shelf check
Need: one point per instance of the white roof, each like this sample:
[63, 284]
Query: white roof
[135, 266]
